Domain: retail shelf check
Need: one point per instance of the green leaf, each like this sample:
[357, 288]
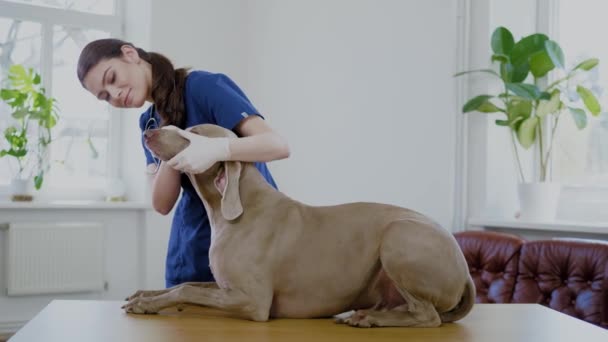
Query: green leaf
[523, 49]
[502, 122]
[520, 72]
[551, 106]
[13, 97]
[489, 71]
[19, 78]
[587, 64]
[488, 107]
[20, 114]
[514, 123]
[519, 108]
[500, 58]
[506, 72]
[17, 71]
[540, 64]
[526, 134]
[17, 153]
[555, 53]
[514, 73]
[36, 115]
[502, 41]
[38, 180]
[525, 90]
[49, 122]
[8, 94]
[579, 116]
[37, 79]
[589, 100]
[9, 132]
[474, 103]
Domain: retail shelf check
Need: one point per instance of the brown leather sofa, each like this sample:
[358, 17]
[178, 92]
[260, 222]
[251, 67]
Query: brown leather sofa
[570, 276]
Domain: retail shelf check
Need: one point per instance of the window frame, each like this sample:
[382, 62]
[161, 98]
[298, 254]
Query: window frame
[486, 199]
[48, 17]
[572, 194]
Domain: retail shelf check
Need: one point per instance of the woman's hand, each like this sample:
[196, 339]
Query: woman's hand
[201, 154]
[257, 143]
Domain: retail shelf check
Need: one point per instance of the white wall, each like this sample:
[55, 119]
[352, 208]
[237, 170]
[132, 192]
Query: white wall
[363, 90]
[207, 34]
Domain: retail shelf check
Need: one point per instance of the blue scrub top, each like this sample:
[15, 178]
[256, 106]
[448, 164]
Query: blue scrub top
[208, 98]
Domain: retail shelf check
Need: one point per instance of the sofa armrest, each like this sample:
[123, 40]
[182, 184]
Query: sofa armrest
[493, 261]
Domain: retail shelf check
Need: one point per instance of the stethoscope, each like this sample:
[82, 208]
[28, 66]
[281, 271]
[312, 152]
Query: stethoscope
[152, 123]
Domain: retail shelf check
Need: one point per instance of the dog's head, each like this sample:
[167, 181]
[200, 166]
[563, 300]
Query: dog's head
[222, 177]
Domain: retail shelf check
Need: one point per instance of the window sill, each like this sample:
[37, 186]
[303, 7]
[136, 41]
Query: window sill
[557, 225]
[85, 205]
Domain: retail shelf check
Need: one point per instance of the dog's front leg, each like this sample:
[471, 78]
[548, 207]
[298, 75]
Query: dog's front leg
[153, 293]
[252, 304]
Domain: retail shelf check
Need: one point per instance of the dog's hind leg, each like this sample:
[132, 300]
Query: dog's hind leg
[420, 265]
[415, 313]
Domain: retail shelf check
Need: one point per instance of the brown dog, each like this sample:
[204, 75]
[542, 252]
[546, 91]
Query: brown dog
[275, 257]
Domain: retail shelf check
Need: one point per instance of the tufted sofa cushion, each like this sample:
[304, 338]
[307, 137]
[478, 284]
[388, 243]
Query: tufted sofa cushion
[568, 276]
[493, 262]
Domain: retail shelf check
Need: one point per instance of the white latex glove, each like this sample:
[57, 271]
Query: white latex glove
[201, 154]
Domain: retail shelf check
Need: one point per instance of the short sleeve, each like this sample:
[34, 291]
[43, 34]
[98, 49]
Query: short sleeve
[228, 103]
[145, 120]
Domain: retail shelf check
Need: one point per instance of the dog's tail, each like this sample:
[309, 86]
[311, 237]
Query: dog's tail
[464, 306]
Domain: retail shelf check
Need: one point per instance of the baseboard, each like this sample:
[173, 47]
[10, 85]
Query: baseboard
[8, 328]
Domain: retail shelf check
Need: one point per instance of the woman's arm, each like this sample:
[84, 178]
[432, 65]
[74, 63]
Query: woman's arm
[165, 188]
[258, 142]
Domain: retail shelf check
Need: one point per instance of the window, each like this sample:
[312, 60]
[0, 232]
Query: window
[48, 36]
[92, 6]
[581, 156]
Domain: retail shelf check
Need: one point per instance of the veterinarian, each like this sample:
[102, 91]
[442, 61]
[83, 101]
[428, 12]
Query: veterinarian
[126, 77]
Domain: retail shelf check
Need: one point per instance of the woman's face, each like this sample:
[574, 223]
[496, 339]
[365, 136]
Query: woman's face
[124, 82]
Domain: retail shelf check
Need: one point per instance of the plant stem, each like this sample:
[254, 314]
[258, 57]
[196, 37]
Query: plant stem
[553, 130]
[540, 150]
[521, 172]
[569, 76]
[513, 132]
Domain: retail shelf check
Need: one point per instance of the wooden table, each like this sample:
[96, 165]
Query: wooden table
[104, 321]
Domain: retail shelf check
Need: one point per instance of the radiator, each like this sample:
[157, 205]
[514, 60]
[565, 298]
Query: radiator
[54, 258]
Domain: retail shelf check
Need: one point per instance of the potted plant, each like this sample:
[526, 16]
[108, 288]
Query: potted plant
[28, 138]
[536, 91]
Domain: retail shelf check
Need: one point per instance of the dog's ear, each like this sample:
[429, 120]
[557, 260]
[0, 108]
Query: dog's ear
[231, 198]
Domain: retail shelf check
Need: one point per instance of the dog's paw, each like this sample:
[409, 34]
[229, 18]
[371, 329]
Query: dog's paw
[359, 319]
[140, 305]
[341, 318]
[145, 293]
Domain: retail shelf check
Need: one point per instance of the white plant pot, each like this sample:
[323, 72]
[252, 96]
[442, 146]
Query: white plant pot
[538, 201]
[116, 190]
[21, 190]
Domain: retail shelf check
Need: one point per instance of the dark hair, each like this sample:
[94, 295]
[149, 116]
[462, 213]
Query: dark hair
[167, 82]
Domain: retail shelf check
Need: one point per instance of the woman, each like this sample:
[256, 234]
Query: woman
[126, 77]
